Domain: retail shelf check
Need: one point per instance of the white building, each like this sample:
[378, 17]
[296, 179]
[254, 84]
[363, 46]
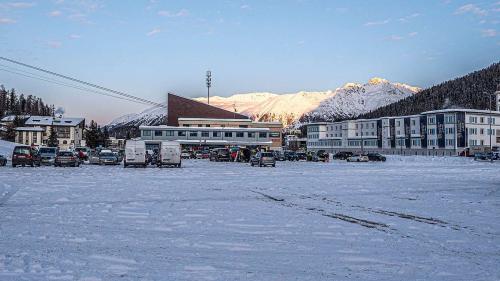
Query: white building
[208, 136]
[69, 131]
[438, 132]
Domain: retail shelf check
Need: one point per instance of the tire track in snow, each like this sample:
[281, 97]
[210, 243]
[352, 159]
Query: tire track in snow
[350, 219]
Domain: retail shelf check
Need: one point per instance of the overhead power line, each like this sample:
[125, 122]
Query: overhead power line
[121, 94]
[46, 79]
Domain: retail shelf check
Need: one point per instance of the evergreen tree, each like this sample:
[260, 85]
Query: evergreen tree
[52, 141]
[92, 135]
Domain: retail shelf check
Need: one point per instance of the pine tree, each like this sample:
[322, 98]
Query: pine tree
[52, 141]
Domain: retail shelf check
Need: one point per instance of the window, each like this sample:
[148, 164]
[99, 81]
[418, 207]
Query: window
[181, 133]
[35, 137]
[193, 134]
[185, 125]
[274, 135]
[472, 119]
[169, 133]
[146, 133]
[228, 134]
[450, 142]
[65, 142]
[62, 132]
[481, 120]
[239, 134]
[415, 142]
[431, 131]
[263, 135]
[450, 131]
[472, 131]
[491, 132]
[216, 134]
[431, 142]
[481, 131]
[431, 120]
[413, 123]
[251, 134]
[491, 120]
[472, 142]
[158, 133]
[398, 123]
[200, 125]
[449, 119]
[204, 134]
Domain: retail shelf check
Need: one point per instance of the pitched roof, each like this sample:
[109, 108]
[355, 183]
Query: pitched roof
[49, 120]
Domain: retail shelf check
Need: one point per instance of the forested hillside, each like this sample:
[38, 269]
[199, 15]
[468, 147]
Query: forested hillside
[13, 104]
[470, 91]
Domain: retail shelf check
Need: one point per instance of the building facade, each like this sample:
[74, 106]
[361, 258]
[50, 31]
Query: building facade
[69, 130]
[439, 132]
[208, 136]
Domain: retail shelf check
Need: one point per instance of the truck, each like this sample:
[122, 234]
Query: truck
[169, 154]
[135, 154]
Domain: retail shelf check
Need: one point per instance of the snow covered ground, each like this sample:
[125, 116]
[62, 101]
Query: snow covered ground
[411, 218]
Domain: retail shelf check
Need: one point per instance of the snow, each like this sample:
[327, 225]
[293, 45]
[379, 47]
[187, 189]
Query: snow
[410, 218]
[6, 148]
[350, 100]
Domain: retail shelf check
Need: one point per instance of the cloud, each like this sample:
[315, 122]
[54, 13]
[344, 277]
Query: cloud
[153, 32]
[395, 38]
[54, 44]
[180, 13]
[75, 36]
[7, 21]
[55, 13]
[245, 7]
[374, 23]
[489, 32]
[20, 5]
[412, 34]
[471, 9]
[408, 18]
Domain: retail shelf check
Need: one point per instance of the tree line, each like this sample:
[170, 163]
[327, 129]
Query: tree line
[470, 91]
[13, 104]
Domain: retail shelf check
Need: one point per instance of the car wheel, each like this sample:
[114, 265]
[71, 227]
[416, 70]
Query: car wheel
[274, 165]
[179, 165]
[14, 165]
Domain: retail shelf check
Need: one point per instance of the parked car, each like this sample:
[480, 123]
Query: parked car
[342, 155]
[108, 158]
[3, 160]
[94, 158]
[302, 156]
[185, 154]
[119, 156]
[376, 157]
[486, 156]
[48, 155]
[279, 156]
[135, 153]
[25, 156]
[67, 158]
[358, 158]
[169, 154]
[291, 156]
[83, 153]
[263, 159]
[220, 154]
[320, 156]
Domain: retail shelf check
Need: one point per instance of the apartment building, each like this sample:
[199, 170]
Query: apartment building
[438, 132]
[37, 131]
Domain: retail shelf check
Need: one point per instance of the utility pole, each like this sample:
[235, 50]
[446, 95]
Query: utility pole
[209, 84]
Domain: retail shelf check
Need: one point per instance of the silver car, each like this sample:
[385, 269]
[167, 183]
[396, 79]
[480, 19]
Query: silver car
[48, 155]
[263, 159]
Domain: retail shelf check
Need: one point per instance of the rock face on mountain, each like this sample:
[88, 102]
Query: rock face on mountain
[348, 101]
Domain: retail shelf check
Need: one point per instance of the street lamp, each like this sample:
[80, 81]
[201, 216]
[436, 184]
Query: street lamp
[209, 84]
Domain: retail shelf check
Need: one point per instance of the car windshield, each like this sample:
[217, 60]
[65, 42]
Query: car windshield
[267, 154]
[47, 150]
[65, 153]
[22, 150]
[107, 154]
[223, 152]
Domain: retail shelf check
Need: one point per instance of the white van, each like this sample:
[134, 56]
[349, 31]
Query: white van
[170, 154]
[135, 153]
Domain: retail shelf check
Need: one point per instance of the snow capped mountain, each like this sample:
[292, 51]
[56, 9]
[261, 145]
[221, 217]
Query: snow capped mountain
[150, 116]
[348, 101]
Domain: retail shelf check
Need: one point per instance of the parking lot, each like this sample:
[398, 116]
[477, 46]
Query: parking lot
[406, 218]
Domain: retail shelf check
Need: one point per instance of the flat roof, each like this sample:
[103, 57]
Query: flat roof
[215, 142]
[213, 119]
[463, 110]
[49, 121]
[232, 129]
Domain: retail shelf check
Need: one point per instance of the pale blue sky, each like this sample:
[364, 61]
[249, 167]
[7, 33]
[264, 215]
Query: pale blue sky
[148, 48]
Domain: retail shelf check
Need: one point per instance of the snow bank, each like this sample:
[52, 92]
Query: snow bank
[6, 148]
